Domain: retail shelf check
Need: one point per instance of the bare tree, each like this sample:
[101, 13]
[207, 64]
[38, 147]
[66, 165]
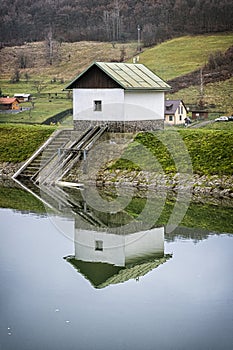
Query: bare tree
[39, 85]
[113, 22]
[49, 46]
[52, 48]
[15, 78]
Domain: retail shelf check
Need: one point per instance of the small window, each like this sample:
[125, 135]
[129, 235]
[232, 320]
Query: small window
[97, 106]
[99, 245]
[170, 118]
[180, 117]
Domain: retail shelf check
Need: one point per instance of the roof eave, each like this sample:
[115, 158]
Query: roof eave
[146, 89]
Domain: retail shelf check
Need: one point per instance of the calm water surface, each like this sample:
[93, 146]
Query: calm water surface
[49, 301]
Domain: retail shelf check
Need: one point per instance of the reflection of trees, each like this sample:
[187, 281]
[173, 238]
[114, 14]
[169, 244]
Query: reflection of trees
[183, 232]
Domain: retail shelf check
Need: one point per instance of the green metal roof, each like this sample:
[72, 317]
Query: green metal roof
[130, 76]
[103, 274]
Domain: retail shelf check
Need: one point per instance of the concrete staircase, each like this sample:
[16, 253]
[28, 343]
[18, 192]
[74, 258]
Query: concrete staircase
[58, 155]
[44, 155]
[68, 156]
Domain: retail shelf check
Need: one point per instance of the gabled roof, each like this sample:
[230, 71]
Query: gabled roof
[7, 100]
[129, 76]
[172, 105]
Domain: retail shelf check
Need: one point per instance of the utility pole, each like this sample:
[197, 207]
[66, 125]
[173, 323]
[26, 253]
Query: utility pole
[201, 84]
[201, 102]
[139, 37]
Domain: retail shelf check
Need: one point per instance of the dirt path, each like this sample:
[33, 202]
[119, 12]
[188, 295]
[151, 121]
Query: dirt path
[205, 122]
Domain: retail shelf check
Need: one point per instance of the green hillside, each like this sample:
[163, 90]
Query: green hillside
[219, 93]
[182, 55]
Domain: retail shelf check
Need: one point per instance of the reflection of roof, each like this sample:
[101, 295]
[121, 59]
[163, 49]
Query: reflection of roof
[102, 275]
[129, 76]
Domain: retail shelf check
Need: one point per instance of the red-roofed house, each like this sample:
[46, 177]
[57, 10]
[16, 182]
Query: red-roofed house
[8, 103]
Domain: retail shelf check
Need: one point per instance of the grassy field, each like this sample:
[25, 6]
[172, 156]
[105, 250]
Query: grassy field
[71, 59]
[44, 107]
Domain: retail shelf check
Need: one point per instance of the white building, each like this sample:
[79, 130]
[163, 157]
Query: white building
[128, 97]
[105, 258]
[118, 250]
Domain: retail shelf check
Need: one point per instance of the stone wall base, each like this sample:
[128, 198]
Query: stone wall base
[121, 126]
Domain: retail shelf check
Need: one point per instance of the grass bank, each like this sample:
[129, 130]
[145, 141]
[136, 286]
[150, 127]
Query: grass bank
[18, 142]
[210, 152]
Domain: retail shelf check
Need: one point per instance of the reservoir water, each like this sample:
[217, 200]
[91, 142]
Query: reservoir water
[76, 277]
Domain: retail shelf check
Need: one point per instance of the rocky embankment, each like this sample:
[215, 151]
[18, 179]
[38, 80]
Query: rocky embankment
[8, 169]
[200, 185]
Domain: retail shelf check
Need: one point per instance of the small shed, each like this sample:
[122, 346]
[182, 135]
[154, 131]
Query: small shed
[23, 97]
[175, 112]
[127, 97]
[9, 103]
[200, 114]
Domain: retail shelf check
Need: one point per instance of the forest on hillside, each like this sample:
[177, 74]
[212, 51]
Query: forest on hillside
[151, 21]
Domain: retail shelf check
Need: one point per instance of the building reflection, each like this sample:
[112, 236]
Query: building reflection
[109, 247]
[106, 258]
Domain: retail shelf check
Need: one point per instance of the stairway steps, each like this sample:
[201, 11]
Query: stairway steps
[47, 166]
